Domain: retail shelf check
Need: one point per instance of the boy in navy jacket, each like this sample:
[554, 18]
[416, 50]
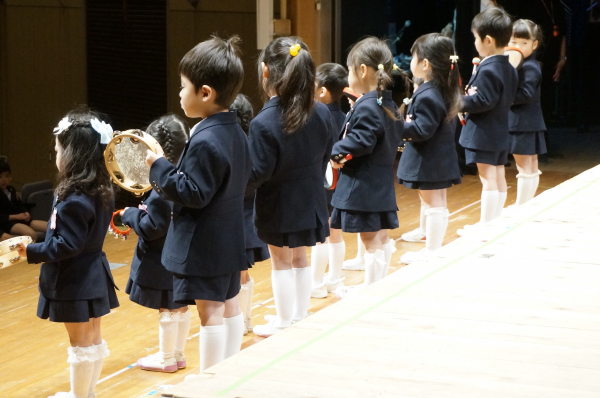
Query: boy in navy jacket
[205, 246]
[490, 94]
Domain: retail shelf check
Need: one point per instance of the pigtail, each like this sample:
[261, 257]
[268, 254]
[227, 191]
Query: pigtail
[171, 133]
[453, 91]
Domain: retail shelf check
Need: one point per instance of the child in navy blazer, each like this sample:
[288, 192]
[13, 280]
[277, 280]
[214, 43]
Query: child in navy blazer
[205, 246]
[365, 200]
[290, 144]
[150, 283]
[429, 161]
[527, 130]
[256, 249]
[331, 79]
[490, 94]
[76, 285]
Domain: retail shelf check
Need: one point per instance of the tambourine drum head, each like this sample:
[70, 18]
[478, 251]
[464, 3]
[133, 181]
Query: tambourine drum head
[329, 176]
[131, 158]
[515, 58]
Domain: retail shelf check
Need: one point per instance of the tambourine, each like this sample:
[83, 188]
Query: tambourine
[125, 158]
[331, 177]
[114, 229]
[515, 56]
[8, 250]
[351, 95]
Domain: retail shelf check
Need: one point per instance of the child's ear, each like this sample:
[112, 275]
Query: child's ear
[489, 40]
[363, 71]
[207, 93]
[426, 64]
[322, 92]
[265, 70]
[535, 44]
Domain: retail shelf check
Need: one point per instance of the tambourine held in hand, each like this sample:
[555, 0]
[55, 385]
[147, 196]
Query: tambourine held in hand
[515, 56]
[125, 158]
[115, 230]
[8, 250]
[331, 174]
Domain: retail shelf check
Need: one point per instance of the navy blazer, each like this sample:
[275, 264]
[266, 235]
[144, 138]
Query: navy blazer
[74, 263]
[150, 223]
[366, 183]
[488, 111]
[10, 207]
[337, 119]
[527, 106]
[206, 234]
[289, 169]
[252, 239]
[430, 152]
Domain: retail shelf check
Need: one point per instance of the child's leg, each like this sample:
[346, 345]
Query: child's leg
[233, 319]
[489, 196]
[183, 331]
[337, 252]
[302, 281]
[435, 213]
[374, 257]
[102, 352]
[502, 189]
[245, 299]
[319, 257]
[536, 179]
[526, 177]
[212, 333]
[389, 247]
[23, 230]
[418, 234]
[39, 226]
[357, 263]
[82, 357]
[5, 236]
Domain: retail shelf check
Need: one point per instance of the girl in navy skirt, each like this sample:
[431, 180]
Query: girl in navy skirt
[256, 249]
[365, 201]
[150, 283]
[527, 132]
[290, 145]
[429, 161]
[331, 80]
[76, 285]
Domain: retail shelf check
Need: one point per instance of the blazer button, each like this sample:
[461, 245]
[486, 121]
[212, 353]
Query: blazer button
[404, 139]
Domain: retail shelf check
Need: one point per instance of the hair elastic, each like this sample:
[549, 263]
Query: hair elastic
[395, 67]
[380, 67]
[295, 49]
[453, 59]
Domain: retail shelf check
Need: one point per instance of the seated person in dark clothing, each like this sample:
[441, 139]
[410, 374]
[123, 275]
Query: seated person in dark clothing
[14, 218]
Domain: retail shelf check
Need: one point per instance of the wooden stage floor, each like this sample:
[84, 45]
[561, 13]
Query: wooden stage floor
[523, 322]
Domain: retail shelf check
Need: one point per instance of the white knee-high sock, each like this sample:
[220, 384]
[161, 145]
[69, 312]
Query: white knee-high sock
[183, 331]
[234, 332]
[501, 202]
[243, 298]
[422, 220]
[525, 184]
[435, 228]
[284, 292]
[81, 360]
[489, 205]
[250, 285]
[167, 333]
[302, 296]
[319, 257]
[446, 219]
[212, 346]
[374, 264]
[360, 247]
[388, 249]
[337, 252]
[102, 352]
[536, 183]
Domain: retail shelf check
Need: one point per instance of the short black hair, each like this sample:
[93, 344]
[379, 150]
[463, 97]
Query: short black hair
[245, 113]
[334, 77]
[215, 63]
[493, 22]
[4, 167]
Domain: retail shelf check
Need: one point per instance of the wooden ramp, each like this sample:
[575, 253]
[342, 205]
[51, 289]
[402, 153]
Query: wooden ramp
[511, 312]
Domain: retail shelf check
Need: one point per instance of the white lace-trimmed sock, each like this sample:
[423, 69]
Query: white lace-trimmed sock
[536, 183]
[167, 333]
[103, 352]
[302, 292]
[243, 298]
[435, 228]
[422, 220]
[337, 252]
[284, 292]
[446, 219]
[489, 205]
[319, 257]
[212, 345]
[374, 264]
[81, 360]
[501, 203]
[234, 332]
[388, 249]
[183, 331]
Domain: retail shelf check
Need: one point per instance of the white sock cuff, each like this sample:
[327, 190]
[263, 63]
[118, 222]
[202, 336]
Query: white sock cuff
[233, 319]
[338, 244]
[435, 210]
[249, 284]
[378, 256]
[102, 348]
[539, 172]
[212, 329]
[173, 316]
[390, 245]
[297, 271]
[523, 175]
[82, 354]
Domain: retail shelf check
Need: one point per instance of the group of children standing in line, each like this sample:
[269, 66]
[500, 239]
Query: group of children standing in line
[236, 181]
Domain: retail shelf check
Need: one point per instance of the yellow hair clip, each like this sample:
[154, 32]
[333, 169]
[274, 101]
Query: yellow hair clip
[295, 49]
[396, 67]
[380, 67]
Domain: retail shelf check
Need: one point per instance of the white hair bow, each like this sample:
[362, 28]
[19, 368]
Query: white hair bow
[407, 101]
[63, 125]
[105, 130]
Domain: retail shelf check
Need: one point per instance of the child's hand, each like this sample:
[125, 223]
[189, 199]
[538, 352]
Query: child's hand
[22, 249]
[336, 165]
[18, 217]
[28, 217]
[472, 90]
[123, 211]
[151, 157]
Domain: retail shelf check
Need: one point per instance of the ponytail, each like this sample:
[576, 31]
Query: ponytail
[291, 77]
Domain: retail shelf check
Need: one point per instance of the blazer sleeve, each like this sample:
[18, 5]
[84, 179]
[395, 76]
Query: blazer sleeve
[360, 137]
[330, 141]
[427, 117]
[73, 220]
[528, 86]
[264, 152]
[150, 225]
[196, 187]
[489, 90]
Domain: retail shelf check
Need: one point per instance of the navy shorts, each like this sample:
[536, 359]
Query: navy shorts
[494, 158]
[187, 289]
